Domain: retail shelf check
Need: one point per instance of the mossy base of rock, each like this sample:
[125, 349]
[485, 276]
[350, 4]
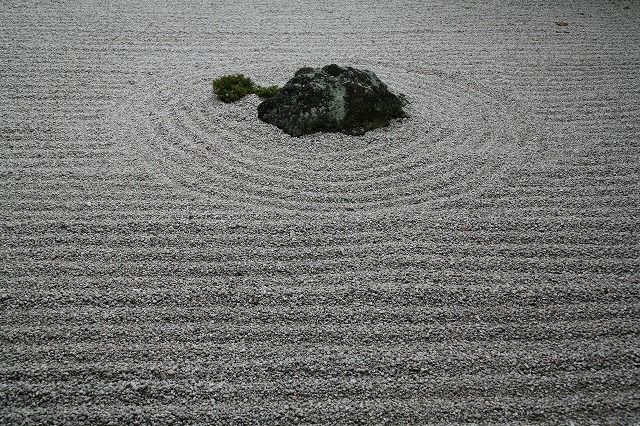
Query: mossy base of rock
[332, 99]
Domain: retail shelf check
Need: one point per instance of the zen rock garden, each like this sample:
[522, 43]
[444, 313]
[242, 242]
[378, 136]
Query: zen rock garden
[327, 99]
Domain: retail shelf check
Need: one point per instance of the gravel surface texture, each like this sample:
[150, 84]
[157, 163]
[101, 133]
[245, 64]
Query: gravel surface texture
[169, 259]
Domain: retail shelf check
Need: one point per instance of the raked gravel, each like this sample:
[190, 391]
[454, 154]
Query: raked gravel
[169, 259]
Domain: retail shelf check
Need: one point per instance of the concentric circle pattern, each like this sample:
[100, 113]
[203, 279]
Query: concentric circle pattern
[168, 259]
[453, 144]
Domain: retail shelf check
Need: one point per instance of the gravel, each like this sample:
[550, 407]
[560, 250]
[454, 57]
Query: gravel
[169, 259]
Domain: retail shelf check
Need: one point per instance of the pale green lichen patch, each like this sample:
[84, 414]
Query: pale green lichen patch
[374, 79]
[338, 103]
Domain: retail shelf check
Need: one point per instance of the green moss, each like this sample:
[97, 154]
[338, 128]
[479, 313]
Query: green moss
[230, 88]
[267, 92]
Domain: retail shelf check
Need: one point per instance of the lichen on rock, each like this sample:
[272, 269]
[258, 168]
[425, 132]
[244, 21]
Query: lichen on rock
[332, 99]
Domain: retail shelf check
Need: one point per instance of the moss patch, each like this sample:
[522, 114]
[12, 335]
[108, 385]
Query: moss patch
[230, 88]
[266, 92]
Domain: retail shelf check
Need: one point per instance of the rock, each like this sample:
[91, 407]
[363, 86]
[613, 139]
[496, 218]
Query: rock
[331, 99]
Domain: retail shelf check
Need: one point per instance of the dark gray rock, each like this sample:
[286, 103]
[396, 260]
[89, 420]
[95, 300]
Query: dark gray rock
[331, 99]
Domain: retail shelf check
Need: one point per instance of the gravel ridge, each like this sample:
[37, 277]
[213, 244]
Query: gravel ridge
[169, 259]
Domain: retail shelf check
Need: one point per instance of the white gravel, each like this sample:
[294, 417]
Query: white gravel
[169, 259]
